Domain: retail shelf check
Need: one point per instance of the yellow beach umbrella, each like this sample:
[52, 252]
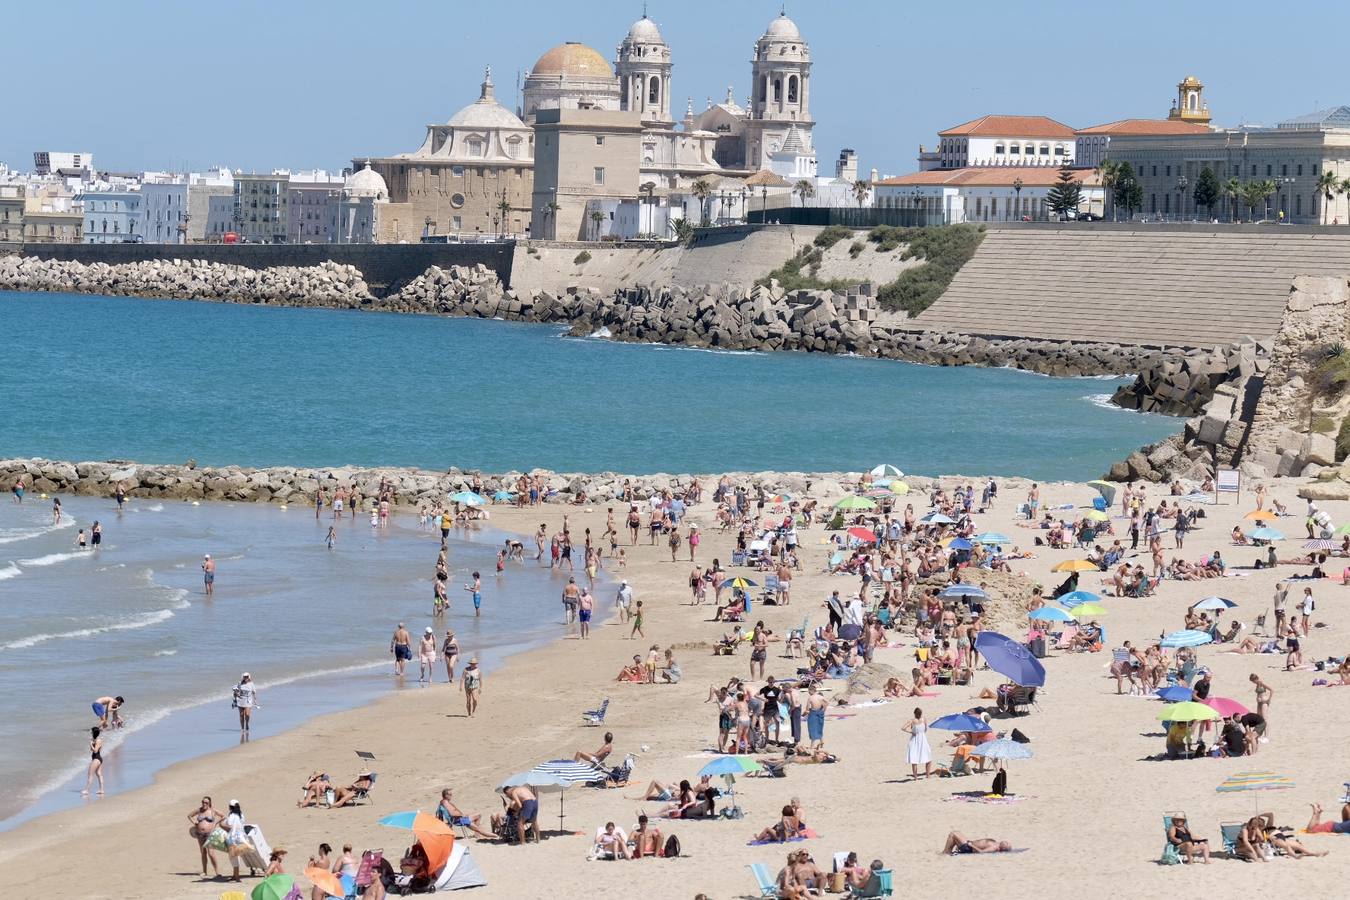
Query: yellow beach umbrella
[1188, 711]
[1261, 515]
[1096, 515]
[899, 487]
[1076, 565]
[1088, 610]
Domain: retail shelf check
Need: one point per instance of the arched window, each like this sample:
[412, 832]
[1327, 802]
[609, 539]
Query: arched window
[792, 89]
[513, 147]
[654, 91]
[777, 90]
[763, 88]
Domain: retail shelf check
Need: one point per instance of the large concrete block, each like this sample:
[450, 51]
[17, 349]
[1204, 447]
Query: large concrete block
[1212, 429]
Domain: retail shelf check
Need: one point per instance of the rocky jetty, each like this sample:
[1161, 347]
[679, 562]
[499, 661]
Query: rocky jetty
[299, 485]
[1183, 383]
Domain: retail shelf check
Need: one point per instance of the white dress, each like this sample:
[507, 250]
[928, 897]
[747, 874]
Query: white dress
[919, 751]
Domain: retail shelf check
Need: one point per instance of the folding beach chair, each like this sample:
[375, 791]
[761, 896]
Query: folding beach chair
[1230, 832]
[1099, 504]
[878, 885]
[596, 717]
[766, 885]
[1170, 857]
[362, 795]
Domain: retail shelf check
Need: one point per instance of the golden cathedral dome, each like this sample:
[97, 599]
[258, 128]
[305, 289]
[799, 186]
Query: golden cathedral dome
[573, 59]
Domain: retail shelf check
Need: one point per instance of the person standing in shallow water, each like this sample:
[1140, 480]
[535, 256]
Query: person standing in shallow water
[209, 574]
[95, 760]
[476, 589]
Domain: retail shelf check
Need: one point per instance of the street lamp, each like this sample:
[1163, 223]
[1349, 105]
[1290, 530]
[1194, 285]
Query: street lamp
[1284, 198]
[1017, 190]
[745, 210]
[1182, 183]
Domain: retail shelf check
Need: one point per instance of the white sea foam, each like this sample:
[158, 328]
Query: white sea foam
[601, 333]
[155, 507]
[144, 620]
[10, 571]
[166, 652]
[51, 559]
[14, 535]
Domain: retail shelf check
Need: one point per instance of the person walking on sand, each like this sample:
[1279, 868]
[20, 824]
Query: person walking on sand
[585, 603]
[1305, 611]
[476, 589]
[919, 751]
[815, 716]
[332, 537]
[623, 600]
[450, 653]
[401, 646]
[1264, 694]
[637, 622]
[472, 683]
[674, 542]
[246, 700]
[209, 574]
[426, 657]
[95, 760]
[694, 540]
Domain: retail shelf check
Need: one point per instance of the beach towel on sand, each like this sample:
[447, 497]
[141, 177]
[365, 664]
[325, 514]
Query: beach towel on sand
[806, 834]
[980, 797]
[973, 855]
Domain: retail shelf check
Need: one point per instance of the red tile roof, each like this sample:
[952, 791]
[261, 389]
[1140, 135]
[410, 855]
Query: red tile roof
[991, 176]
[1010, 126]
[1145, 126]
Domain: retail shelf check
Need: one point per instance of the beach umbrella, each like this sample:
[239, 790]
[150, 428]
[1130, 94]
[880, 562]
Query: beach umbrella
[1175, 694]
[1225, 707]
[1106, 489]
[739, 582]
[326, 881]
[468, 498]
[853, 501]
[937, 518]
[993, 537]
[437, 848]
[1268, 534]
[863, 535]
[899, 487]
[1096, 515]
[1050, 614]
[504, 495]
[1217, 604]
[273, 887]
[730, 765]
[886, 470]
[960, 544]
[1187, 711]
[1083, 610]
[1322, 544]
[1074, 598]
[1186, 638]
[960, 722]
[1255, 781]
[1010, 659]
[1076, 565]
[964, 590]
[416, 821]
[1261, 515]
[570, 771]
[542, 784]
[1003, 749]
[780, 498]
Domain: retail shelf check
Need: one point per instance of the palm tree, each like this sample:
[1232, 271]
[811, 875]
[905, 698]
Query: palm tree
[702, 190]
[1344, 188]
[1268, 189]
[597, 217]
[1232, 189]
[860, 189]
[1328, 185]
[805, 190]
[1107, 170]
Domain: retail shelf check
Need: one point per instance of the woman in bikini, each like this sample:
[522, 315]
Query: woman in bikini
[1264, 694]
[785, 828]
[450, 653]
[95, 760]
[205, 820]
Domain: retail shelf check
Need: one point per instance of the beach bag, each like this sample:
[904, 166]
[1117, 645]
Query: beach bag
[216, 841]
[672, 847]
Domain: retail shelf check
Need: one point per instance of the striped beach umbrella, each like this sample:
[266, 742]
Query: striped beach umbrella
[886, 470]
[963, 590]
[1255, 781]
[569, 771]
[1322, 544]
[1186, 638]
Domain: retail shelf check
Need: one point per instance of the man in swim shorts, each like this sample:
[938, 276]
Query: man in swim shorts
[401, 646]
[477, 590]
[958, 844]
[108, 710]
[585, 603]
[209, 574]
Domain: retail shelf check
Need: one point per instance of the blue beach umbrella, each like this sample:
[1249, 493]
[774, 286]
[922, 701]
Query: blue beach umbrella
[402, 820]
[730, 765]
[1186, 638]
[960, 722]
[1010, 658]
[1265, 534]
[963, 590]
[468, 498]
[1050, 614]
[1175, 694]
[993, 537]
[960, 544]
[1073, 598]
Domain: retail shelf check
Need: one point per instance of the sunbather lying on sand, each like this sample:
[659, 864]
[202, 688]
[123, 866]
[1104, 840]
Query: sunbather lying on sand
[958, 843]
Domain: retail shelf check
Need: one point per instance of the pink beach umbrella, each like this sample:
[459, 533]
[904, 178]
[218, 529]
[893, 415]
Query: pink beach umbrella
[1225, 707]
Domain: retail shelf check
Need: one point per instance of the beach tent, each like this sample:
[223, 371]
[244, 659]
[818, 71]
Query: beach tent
[460, 870]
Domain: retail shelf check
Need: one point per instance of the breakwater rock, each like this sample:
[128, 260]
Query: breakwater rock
[412, 487]
[1184, 384]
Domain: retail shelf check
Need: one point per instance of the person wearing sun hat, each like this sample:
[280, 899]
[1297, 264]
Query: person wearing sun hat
[427, 651]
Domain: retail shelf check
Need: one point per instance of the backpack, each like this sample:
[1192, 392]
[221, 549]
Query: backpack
[672, 847]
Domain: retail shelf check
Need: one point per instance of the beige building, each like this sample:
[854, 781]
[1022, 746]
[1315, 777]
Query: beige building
[50, 227]
[458, 180]
[583, 157]
[11, 213]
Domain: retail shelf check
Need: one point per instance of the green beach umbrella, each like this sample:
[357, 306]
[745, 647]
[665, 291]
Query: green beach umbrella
[273, 887]
[1096, 515]
[1188, 711]
[1087, 610]
[730, 765]
[855, 502]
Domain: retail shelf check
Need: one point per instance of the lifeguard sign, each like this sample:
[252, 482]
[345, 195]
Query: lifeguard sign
[1228, 481]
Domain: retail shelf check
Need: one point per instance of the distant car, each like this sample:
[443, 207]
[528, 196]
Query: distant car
[1089, 217]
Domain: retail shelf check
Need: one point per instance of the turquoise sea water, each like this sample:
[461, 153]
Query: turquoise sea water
[89, 377]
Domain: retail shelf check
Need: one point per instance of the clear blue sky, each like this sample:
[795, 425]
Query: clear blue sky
[258, 84]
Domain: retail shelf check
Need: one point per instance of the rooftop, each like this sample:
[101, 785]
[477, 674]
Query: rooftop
[1144, 126]
[990, 176]
[1010, 126]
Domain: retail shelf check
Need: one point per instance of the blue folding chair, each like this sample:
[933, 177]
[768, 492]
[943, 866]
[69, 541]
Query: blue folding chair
[767, 887]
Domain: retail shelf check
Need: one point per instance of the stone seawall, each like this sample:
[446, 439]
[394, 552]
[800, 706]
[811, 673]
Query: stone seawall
[413, 487]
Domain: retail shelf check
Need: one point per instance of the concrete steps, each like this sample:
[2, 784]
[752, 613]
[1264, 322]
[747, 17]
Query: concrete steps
[1145, 287]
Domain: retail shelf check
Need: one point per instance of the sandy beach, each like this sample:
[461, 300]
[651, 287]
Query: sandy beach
[1090, 807]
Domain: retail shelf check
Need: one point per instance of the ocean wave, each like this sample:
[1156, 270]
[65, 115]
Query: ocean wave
[1104, 401]
[155, 507]
[601, 333]
[52, 559]
[145, 620]
[10, 571]
[166, 653]
[14, 535]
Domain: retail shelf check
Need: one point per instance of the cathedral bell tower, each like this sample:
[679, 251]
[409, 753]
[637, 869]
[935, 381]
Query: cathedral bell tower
[1190, 104]
[643, 67]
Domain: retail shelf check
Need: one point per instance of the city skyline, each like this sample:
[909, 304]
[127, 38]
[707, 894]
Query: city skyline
[272, 69]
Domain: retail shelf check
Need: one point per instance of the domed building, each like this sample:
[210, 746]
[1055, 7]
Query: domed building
[458, 180]
[570, 76]
[364, 197]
